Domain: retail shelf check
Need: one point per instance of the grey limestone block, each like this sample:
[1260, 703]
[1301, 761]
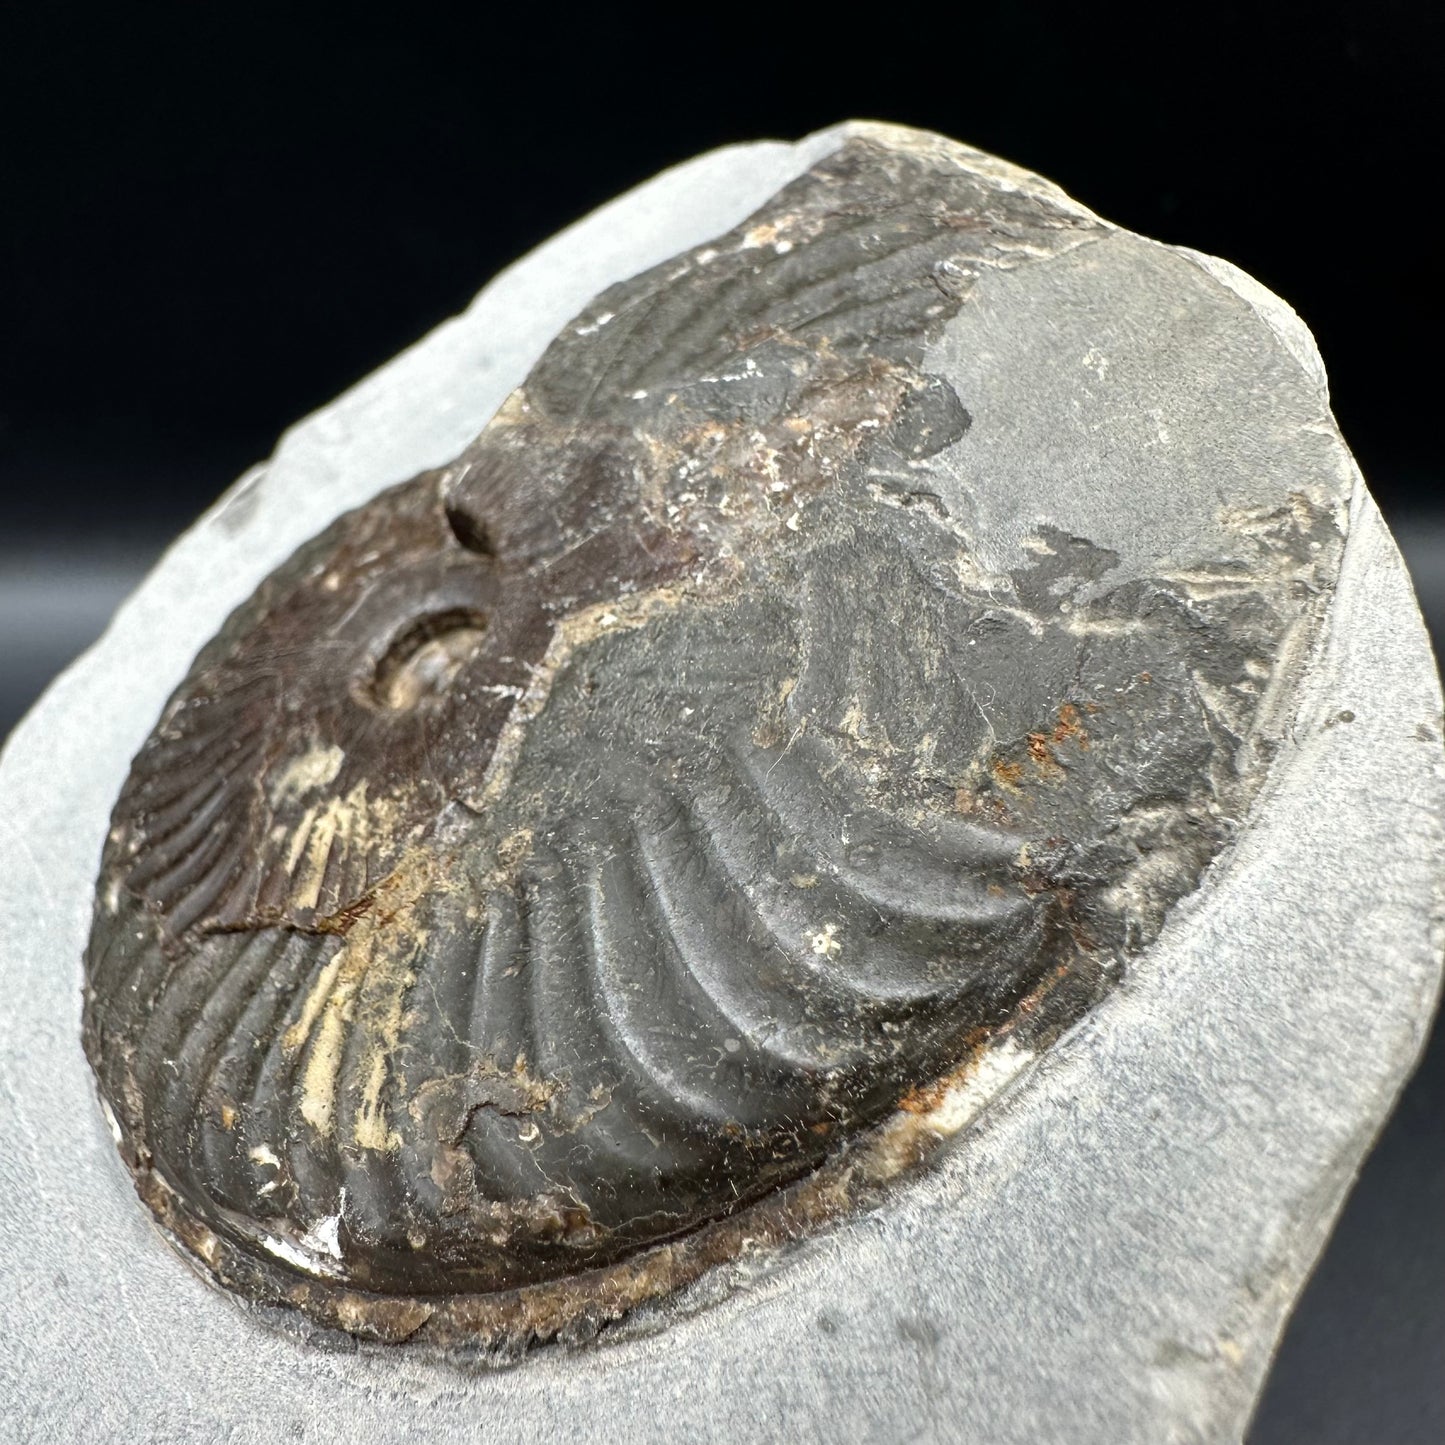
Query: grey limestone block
[1078, 655]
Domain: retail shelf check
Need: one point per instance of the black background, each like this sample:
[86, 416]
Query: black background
[213, 219]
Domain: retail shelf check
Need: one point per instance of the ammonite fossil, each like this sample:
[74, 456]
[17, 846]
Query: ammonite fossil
[619, 846]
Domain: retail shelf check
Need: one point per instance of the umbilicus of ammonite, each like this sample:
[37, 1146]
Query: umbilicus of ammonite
[619, 845]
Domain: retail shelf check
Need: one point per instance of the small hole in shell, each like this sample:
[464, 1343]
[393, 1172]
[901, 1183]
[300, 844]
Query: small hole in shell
[471, 532]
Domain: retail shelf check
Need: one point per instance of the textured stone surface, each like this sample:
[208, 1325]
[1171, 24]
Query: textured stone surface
[1109, 1252]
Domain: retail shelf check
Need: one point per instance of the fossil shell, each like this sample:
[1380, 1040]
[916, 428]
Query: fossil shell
[630, 840]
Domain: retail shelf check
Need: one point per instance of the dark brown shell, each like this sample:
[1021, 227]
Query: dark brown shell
[606, 848]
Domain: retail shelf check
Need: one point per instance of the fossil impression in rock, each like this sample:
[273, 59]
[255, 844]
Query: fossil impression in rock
[652, 833]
